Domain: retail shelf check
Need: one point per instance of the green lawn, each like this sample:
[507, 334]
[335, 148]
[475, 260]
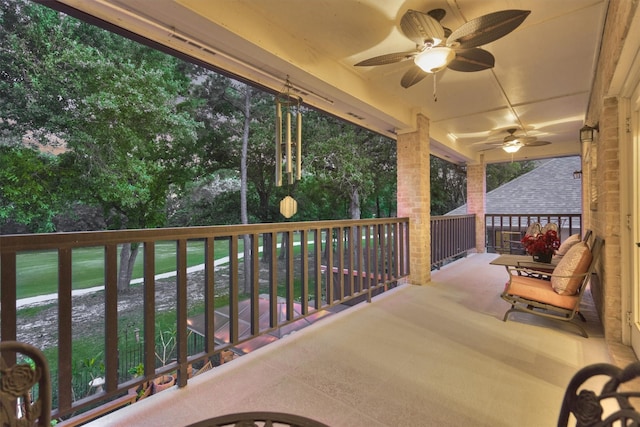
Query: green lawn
[37, 271]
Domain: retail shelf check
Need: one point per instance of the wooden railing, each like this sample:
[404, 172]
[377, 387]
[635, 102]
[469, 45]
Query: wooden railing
[289, 262]
[451, 238]
[504, 231]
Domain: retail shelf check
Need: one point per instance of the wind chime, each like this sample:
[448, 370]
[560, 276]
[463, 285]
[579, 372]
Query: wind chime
[287, 112]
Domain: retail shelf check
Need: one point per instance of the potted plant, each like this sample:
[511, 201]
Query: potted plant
[163, 382]
[541, 246]
[144, 389]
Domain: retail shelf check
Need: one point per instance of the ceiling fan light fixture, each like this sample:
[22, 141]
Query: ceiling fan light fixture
[512, 148]
[434, 59]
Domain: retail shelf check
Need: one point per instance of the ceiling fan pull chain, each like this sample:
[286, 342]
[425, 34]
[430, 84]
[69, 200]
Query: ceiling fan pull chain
[435, 95]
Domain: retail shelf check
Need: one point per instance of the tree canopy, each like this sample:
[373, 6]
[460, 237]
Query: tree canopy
[88, 117]
[115, 108]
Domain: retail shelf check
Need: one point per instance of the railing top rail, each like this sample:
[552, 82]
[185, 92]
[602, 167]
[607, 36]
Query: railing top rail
[532, 214]
[452, 216]
[14, 242]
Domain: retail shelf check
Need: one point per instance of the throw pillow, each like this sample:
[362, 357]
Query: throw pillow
[575, 262]
[567, 244]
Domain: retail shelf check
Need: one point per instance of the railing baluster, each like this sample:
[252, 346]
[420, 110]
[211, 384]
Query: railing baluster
[111, 316]
[181, 312]
[273, 281]
[383, 255]
[8, 296]
[317, 242]
[376, 261]
[255, 283]
[329, 271]
[359, 259]
[376, 257]
[233, 289]
[304, 270]
[209, 294]
[290, 276]
[65, 328]
[396, 252]
[495, 225]
[402, 254]
[367, 259]
[149, 309]
[350, 236]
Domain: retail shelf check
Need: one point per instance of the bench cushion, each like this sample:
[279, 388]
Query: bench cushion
[574, 263]
[539, 290]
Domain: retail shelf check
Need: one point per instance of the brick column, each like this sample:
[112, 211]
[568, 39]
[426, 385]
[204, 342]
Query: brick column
[477, 199]
[414, 197]
[607, 220]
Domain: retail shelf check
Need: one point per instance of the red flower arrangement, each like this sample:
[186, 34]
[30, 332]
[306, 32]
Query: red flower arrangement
[541, 244]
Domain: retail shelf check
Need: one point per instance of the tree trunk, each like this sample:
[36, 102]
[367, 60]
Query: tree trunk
[283, 247]
[266, 248]
[354, 205]
[128, 255]
[244, 216]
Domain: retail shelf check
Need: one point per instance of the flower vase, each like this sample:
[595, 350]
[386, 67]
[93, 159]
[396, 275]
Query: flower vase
[543, 257]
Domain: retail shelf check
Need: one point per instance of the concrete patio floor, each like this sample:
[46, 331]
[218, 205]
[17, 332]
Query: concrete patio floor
[433, 355]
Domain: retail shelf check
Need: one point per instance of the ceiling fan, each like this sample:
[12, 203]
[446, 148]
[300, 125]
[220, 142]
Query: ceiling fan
[438, 47]
[512, 142]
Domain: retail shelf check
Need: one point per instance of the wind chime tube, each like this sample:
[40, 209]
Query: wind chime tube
[278, 143]
[289, 164]
[299, 146]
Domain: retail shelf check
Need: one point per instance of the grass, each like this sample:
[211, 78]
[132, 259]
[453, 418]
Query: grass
[37, 271]
[37, 274]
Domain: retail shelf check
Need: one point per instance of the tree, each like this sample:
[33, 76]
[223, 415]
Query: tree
[448, 186]
[339, 158]
[501, 173]
[29, 180]
[384, 158]
[449, 181]
[117, 106]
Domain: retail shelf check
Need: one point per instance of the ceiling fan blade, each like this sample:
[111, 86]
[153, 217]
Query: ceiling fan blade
[413, 75]
[489, 148]
[437, 14]
[420, 27]
[389, 58]
[487, 28]
[474, 59]
[526, 140]
[536, 143]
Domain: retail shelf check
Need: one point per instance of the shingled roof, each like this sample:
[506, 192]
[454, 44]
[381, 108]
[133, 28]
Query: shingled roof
[548, 189]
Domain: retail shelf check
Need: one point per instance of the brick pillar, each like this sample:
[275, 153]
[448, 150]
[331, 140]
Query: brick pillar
[607, 220]
[414, 197]
[477, 199]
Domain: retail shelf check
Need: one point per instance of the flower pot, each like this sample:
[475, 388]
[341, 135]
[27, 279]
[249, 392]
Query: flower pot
[142, 391]
[546, 258]
[163, 383]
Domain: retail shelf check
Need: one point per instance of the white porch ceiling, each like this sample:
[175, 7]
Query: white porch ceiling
[540, 83]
